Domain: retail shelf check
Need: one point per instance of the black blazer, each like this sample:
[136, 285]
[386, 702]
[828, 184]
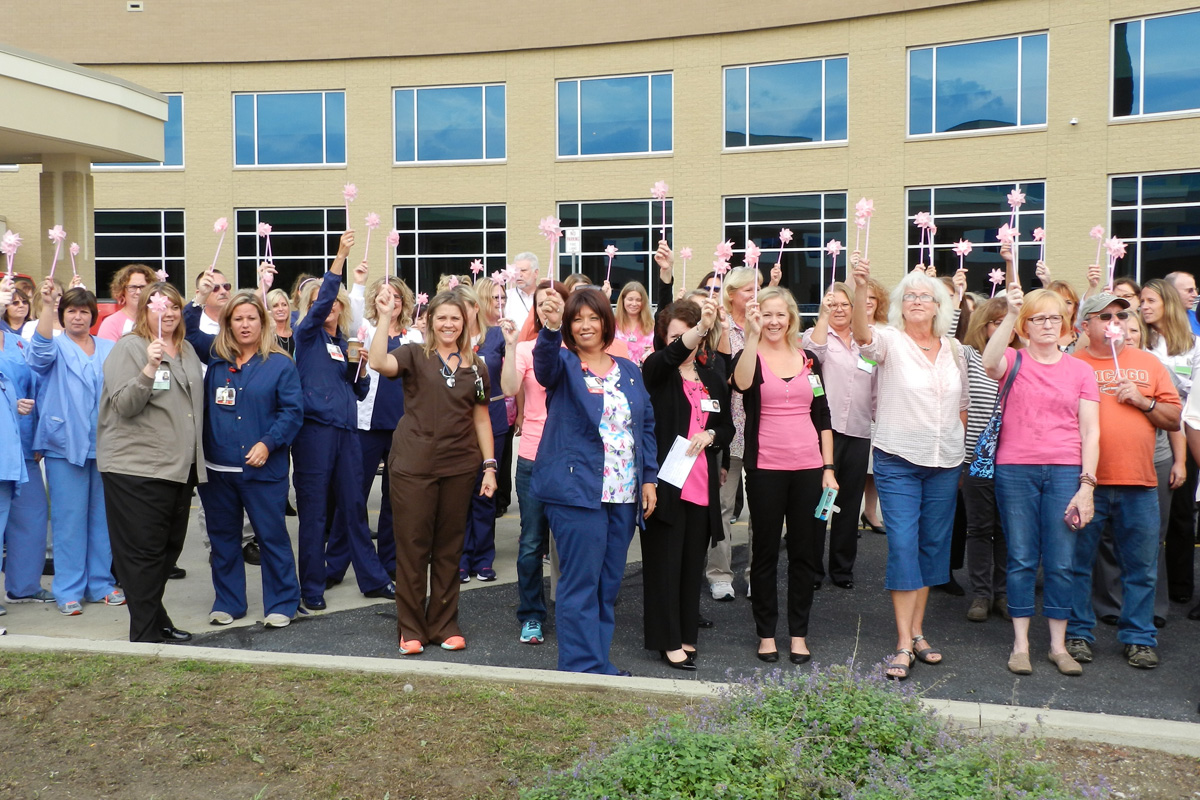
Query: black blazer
[752, 401]
[672, 415]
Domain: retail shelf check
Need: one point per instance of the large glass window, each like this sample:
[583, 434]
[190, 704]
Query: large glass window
[443, 240]
[1159, 218]
[1000, 83]
[634, 227]
[613, 116]
[172, 141]
[289, 128]
[303, 241]
[1156, 65]
[791, 103]
[975, 213]
[154, 238]
[450, 123]
[813, 219]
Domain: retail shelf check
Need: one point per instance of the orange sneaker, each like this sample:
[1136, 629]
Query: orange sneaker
[411, 647]
[455, 643]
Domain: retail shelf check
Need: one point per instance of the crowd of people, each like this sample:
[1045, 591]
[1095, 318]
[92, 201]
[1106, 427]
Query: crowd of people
[1040, 431]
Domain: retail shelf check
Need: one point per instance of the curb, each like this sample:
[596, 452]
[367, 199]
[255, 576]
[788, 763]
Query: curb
[1169, 736]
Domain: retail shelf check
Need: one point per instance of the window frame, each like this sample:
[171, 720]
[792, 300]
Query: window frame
[324, 138]
[1136, 242]
[178, 281]
[575, 261]
[260, 244]
[648, 153]
[1112, 77]
[416, 231]
[934, 134]
[416, 162]
[823, 142]
[155, 166]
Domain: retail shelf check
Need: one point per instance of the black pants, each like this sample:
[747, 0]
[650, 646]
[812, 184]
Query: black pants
[147, 523]
[673, 554]
[987, 551]
[1181, 536]
[503, 494]
[775, 496]
[850, 457]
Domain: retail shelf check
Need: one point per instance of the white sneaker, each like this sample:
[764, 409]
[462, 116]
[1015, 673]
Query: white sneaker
[220, 618]
[276, 621]
[747, 590]
[722, 590]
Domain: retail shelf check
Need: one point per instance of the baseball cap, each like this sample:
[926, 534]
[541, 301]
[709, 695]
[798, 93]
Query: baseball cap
[1099, 302]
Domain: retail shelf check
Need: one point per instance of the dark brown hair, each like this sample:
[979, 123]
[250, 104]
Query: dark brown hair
[684, 310]
[533, 323]
[592, 299]
[78, 297]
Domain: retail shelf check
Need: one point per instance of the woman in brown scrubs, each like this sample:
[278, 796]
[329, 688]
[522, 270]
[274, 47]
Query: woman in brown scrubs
[436, 452]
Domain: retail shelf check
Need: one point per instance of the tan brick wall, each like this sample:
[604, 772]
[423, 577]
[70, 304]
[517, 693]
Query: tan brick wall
[878, 161]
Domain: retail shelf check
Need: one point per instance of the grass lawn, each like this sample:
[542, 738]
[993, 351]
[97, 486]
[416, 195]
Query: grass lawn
[139, 728]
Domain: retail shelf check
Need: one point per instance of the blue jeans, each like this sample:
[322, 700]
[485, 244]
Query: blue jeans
[918, 506]
[1133, 513]
[535, 537]
[1032, 500]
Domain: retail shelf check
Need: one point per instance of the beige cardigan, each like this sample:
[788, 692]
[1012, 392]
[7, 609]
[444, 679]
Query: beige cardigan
[146, 432]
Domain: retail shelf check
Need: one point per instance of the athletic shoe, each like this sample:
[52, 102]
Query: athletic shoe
[455, 643]
[385, 592]
[1080, 650]
[114, 598]
[464, 576]
[722, 590]
[314, 603]
[40, 596]
[220, 618]
[3, 611]
[531, 632]
[277, 621]
[1141, 656]
[71, 608]
[486, 575]
[411, 647]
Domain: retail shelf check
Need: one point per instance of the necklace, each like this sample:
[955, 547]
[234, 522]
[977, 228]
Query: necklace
[446, 371]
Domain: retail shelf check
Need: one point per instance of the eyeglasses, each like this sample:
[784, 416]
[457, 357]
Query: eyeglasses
[135, 287]
[1106, 316]
[914, 298]
[839, 306]
[997, 321]
[1041, 320]
[225, 286]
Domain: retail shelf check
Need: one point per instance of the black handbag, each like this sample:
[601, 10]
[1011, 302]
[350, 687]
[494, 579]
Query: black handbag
[983, 465]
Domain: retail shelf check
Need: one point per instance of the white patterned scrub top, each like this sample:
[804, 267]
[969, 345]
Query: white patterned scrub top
[619, 484]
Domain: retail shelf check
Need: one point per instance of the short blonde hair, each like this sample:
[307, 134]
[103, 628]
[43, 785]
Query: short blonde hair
[793, 311]
[735, 279]
[915, 282]
[402, 291]
[307, 295]
[1043, 300]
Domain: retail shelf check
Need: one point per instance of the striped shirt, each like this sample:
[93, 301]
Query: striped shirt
[983, 391]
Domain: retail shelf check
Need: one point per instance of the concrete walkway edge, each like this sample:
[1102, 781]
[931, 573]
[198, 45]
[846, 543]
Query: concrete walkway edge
[1179, 738]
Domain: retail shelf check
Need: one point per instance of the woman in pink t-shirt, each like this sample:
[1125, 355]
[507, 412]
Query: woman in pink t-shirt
[635, 326]
[126, 288]
[691, 401]
[1045, 465]
[788, 460]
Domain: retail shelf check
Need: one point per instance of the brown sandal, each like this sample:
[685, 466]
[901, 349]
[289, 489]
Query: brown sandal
[923, 655]
[896, 665]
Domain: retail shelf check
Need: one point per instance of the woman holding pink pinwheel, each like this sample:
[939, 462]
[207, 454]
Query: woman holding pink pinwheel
[149, 444]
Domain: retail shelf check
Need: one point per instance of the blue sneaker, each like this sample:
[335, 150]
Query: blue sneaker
[40, 596]
[531, 632]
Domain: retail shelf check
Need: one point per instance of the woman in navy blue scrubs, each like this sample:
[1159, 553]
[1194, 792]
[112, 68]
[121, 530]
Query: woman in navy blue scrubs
[596, 469]
[253, 408]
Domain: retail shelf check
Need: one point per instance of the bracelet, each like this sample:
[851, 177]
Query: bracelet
[1153, 405]
[491, 463]
[553, 330]
[1090, 480]
[828, 467]
[701, 331]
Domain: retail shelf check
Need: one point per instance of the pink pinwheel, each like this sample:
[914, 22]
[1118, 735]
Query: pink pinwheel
[1097, 233]
[372, 224]
[753, 254]
[57, 235]
[1114, 333]
[724, 250]
[393, 241]
[685, 253]
[1016, 199]
[611, 252]
[659, 192]
[476, 268]
[720, 267]
[162, 275]
[74, 251]
[548, 226]
[1005, 234]
[864, 209]
[1116, 249]
[500, 277]
[833, 247]
[924, 222]
[8, 246]
[922, 219]
[220, 226]
[996, 276]
[422, 299]
[159, 304]
[962, 249]
[785, 237]
[349, 194]
[453, 282]
[1039, 236]
[264, 230]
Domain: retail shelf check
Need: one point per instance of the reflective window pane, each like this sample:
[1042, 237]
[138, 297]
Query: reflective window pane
[304, 241]
[1127, 69]
[444, 240]
[1172, 64]
[450, 124]
[614, 116]
[568, 118]
[920, 91]
[291, 129]
[1033, 80]
[735, 107]
[835, 99]
[494, 122]
[153, 238]
[785, 103]
[243, 130]
[335, 128]
[1174, 188]
[660, 113]
[976, 86]
[632, 227]
[406, 125]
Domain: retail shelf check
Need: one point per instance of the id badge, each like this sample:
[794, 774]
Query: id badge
[226, 396]
[162, 378]
[710, 406]
[815, 382]
[866, 365]
[1184, 370]
[335, 352]
[593, 384]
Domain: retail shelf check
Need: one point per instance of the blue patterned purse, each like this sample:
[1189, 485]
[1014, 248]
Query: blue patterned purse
[983, 465]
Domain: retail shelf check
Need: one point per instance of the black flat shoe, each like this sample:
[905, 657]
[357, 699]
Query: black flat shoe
[1160, 622]
[1194, 613]
[1109, 619]
[816, 585]
[866, 523]
[692, 654]
[799, 658]
[177, 573]
[687, 664]
[705, 622]
[844, 584]
[174, 636]
[624, 673]
[770, 657]
[314, 603]
[385, 592]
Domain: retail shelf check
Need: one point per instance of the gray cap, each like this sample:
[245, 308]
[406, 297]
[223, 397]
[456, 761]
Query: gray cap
[1099, 302]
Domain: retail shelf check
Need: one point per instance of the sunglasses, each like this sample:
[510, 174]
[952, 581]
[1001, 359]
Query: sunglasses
[1106, 316]
[225, 286]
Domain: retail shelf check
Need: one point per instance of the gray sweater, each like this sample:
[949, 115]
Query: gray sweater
[147, 432]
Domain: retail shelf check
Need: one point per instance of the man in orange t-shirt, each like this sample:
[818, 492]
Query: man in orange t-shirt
[1136, 398]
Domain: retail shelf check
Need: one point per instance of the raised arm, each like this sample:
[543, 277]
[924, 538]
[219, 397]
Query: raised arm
[378, 357]
[860, 325]
[743, 373]
[547, 365]
[994, 363]
[510, 381]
